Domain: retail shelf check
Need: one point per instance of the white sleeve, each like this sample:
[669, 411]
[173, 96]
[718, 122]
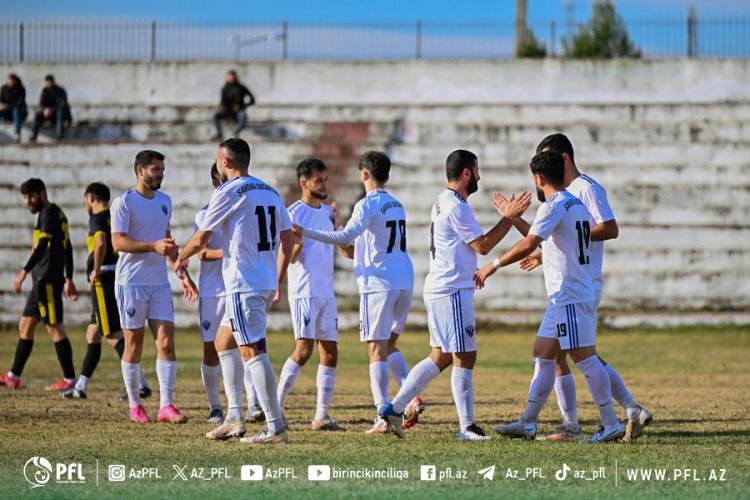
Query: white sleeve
[547, 219]
[359, 220]
[219, 209]
[465, 223]
[285, 222]
[595, 200]
[120, 215]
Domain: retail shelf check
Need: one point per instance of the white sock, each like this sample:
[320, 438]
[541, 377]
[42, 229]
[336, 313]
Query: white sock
[289, 374]
[264, 380]
[619, 392]
[82, 383]
[130, 373]
[541, 385]
[166, 373]
[211, 376]
[398, 367]
[143, 383]
[379, 382]
[565, 389]
[420, 375]
[233, 373]
[463, 395]
[326, 379]
[252, 396]
[599, 387]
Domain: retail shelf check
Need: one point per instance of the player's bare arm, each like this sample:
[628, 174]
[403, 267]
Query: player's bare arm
[500, 202]
[285, 256]
[531, 262]
[195, 244]
[210, 254]
[100, 250]
[121, 243]
[520, 250]
[515, 207]
[605, 231]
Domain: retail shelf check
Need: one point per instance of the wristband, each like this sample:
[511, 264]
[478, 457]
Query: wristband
[496, 263]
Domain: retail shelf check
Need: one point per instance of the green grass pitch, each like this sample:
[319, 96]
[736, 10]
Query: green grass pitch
[695, 381]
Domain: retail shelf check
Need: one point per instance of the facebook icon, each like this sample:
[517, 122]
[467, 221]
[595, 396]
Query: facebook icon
[428, 473]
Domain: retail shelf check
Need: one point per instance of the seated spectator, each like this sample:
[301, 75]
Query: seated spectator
[53, 104]
[235, 97]
[13, 103]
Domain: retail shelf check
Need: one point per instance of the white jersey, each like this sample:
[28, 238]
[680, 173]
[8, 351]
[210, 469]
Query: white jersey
[141, 219]
[378, 229]
[452, 260]
[211, 281]
[311, 275]
[594, 198]
[564, 223]
[251, 216]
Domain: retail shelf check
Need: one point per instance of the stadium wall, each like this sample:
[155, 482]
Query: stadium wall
[668, 139]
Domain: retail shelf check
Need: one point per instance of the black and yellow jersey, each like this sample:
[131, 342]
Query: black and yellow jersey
[100, 223]
[52, 258]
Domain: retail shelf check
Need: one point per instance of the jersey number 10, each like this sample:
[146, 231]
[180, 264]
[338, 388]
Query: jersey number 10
[392, 240]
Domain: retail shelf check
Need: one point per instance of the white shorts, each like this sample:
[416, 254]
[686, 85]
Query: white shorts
[315, 318]
[211, 310]
[451, 321]
[383, 313]
[246, 315]
[573, 325]
[137, 304]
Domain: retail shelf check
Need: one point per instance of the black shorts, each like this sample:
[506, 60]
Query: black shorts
[105, 313]
[45, 302]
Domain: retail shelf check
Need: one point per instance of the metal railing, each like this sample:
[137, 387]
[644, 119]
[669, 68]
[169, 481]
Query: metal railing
[151, 41]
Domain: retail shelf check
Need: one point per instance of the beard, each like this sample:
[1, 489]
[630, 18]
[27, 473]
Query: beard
[318, 195]
[37, 207]
[540, 195]
[151, 183]
[473, 185]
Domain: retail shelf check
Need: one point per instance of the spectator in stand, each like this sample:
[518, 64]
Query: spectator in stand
[13, 103]
[235, 97]
[53, 104]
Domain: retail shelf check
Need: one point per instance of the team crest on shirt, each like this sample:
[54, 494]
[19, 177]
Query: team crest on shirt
[469, 330]
[130, 311]
[306, 318]
[164, 209]
[206, 324]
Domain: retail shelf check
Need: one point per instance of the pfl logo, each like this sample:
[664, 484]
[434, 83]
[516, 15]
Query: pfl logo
[38, 471]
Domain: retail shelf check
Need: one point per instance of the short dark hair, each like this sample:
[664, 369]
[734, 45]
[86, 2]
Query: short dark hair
[99, 190]
[457, 161]
[238, 152]
[559, 143]
[308, 166]
[33, 186]
[145, 157]
[49, 78]
[377, 163]
[550, 166]
[215, 175]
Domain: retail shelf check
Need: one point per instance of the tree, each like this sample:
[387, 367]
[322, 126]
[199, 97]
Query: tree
[530, 46]
[605, 36]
